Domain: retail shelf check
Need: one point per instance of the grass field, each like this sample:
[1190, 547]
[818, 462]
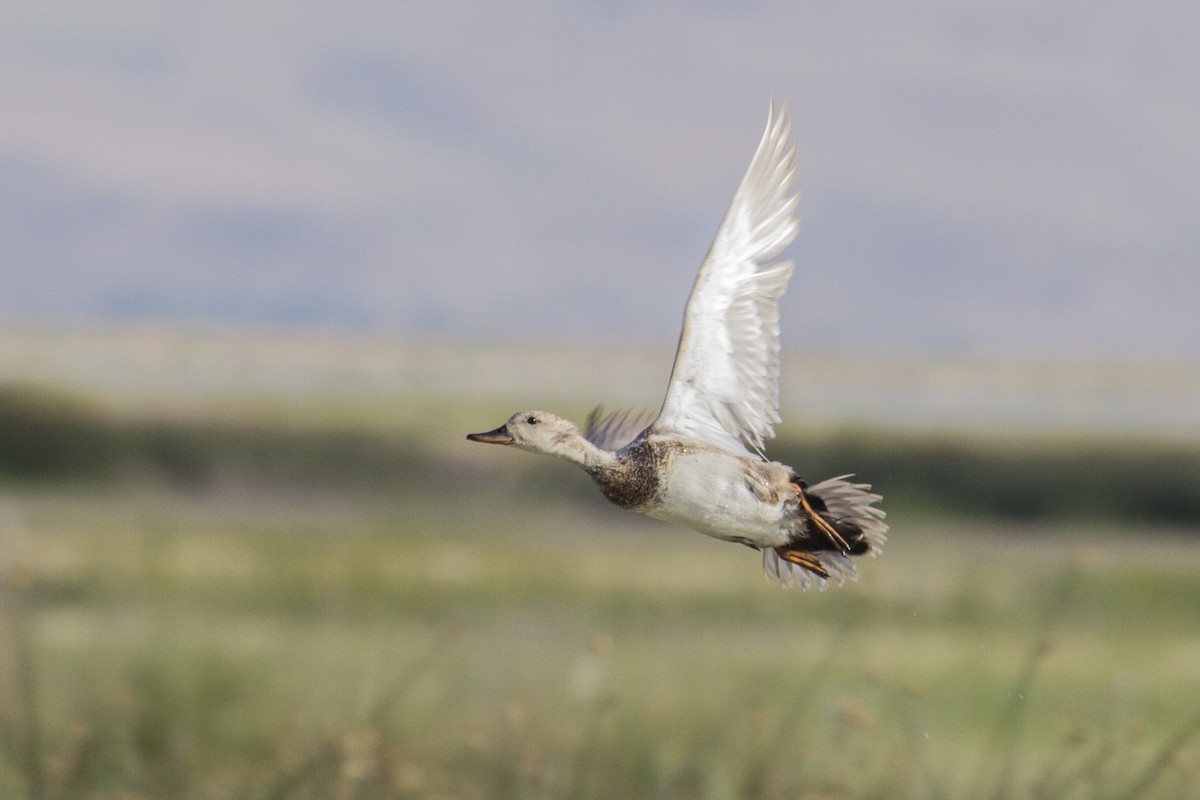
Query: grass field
[249, 642]
[332, 595]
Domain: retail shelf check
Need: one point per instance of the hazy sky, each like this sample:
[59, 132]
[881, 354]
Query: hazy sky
[1019, 178]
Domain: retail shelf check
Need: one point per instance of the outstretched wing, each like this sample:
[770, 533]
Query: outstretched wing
[724, 387]
[615, 430]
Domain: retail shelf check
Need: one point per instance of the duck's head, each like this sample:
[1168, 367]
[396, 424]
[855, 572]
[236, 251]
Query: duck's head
[537, 432]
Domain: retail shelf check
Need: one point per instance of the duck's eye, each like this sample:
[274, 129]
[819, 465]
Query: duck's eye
[531, 420]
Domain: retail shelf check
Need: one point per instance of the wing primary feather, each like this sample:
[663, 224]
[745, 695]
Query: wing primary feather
[724, 386]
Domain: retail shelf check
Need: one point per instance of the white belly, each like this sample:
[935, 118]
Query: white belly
[709, 491]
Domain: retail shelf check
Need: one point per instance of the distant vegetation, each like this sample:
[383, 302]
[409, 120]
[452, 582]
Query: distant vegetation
[52, 437]
[1018, 478]
[49, 436]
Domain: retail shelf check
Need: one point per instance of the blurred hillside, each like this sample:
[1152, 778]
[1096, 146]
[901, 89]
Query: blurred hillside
[379, 417]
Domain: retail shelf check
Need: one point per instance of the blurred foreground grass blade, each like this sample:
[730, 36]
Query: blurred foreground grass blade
[301, 777]
[588, 755]
[1158, 765]
[327, 760]
[22, 725]
[766, 763]
[1004, 743]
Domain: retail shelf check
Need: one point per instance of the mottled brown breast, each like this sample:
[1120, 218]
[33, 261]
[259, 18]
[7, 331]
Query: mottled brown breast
[634, 483]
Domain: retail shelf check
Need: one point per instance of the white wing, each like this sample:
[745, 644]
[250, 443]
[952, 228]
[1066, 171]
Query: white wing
[724, 386]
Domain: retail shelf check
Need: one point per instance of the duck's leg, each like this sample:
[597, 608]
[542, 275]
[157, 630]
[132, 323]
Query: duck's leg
[803, 559]
[818, 520]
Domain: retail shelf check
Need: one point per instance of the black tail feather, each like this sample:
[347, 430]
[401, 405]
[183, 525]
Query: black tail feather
[814, 539]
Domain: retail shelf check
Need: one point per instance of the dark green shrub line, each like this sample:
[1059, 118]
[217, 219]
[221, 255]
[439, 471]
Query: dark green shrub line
[51, 436]
[1018, 478]
[48, 437]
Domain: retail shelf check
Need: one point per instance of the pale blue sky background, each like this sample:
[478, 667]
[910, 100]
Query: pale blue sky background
[1020, 179]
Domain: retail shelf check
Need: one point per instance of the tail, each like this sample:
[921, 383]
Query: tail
[836, 519]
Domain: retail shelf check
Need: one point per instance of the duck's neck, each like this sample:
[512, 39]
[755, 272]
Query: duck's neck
[580, 451]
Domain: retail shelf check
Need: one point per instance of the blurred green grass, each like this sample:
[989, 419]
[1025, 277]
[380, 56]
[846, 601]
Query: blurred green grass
[293, 605]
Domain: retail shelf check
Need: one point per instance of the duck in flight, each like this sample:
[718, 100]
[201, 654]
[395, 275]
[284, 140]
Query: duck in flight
[701, 462]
